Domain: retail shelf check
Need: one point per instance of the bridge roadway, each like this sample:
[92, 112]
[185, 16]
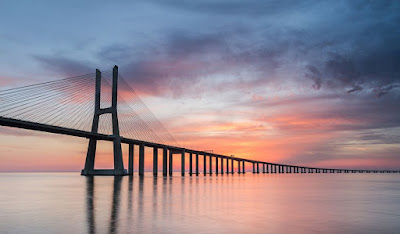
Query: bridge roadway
[267, 167]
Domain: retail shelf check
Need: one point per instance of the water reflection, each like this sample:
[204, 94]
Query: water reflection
[115, 204]
[237, 204]
[90, 207]
[90, 204]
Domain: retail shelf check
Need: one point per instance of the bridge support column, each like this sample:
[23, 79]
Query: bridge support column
[165, 156]
[216, 165]
[232, 170]
[130, 161]
[254, 168]
[183, 163]
[155, 161]
[258, 168]
[141, 160]
[222, 166]
[170, 163]
[197, 164]
[210, 165]
[91, 152]
[227, 165]
[243, 168]
[205, 164]
[118, 163]
[190, 163]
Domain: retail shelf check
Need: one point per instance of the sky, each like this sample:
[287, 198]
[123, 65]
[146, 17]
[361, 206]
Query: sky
[313, 83]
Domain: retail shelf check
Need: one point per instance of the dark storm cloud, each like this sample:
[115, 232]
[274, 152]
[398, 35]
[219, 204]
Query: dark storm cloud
[357, 51]
[349, 47]
[371, 57]
[236, 7]
[64, 66]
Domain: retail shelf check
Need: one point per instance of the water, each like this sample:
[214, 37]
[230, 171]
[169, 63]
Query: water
[261, 203]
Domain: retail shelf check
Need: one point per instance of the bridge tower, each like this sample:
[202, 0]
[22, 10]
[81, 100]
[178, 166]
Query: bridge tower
[91, 152]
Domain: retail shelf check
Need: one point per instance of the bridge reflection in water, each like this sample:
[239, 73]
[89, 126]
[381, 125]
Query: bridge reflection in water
[252, 203]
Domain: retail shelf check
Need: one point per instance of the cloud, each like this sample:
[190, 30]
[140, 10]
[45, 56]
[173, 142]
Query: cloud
[64, 66]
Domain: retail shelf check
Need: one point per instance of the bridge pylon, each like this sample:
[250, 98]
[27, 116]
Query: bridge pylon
[91, 152]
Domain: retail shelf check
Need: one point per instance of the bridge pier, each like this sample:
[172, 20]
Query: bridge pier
[183, 163]
[130, 160]
[216, 165]
[155, 161]
[117, 151]
[141, 160]
[170, 168]
[204, 164]
[211, 171]
[232, 169]
[190, 163]
[165, 156]
[222, 166]
[227, 165]
[197, 164]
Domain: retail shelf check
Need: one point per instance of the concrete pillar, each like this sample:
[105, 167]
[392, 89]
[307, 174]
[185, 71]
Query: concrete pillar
[131, 152]
[170, 163]
[254, 168]
[118, 162]
[155, 161]
[205, 164]
[258, 168]
[190, 163]
[232, 170]
[243, 168]
[210, 165]
[165, 156]
[183, 163]
[197, 164]
[91, 152]
[141, 159]
[227, 165]
[222, 166]
[216, 165]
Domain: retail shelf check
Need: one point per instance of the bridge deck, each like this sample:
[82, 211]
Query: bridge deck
[84, 134]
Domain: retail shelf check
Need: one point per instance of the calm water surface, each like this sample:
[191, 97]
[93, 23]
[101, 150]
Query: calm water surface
[261, 203]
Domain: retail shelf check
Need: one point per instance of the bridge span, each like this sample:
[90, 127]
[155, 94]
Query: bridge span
[14, 114]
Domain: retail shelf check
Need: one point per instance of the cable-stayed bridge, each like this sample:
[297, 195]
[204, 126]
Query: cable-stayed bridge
[102, 106]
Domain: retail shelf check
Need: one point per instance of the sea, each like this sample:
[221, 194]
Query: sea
[239, 203]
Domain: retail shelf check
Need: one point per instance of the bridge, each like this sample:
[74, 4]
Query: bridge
[82, 106]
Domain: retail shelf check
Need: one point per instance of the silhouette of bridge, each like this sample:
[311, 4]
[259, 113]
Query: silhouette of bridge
[67, 107]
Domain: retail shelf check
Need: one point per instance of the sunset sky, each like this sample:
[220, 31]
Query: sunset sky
[313, 83]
